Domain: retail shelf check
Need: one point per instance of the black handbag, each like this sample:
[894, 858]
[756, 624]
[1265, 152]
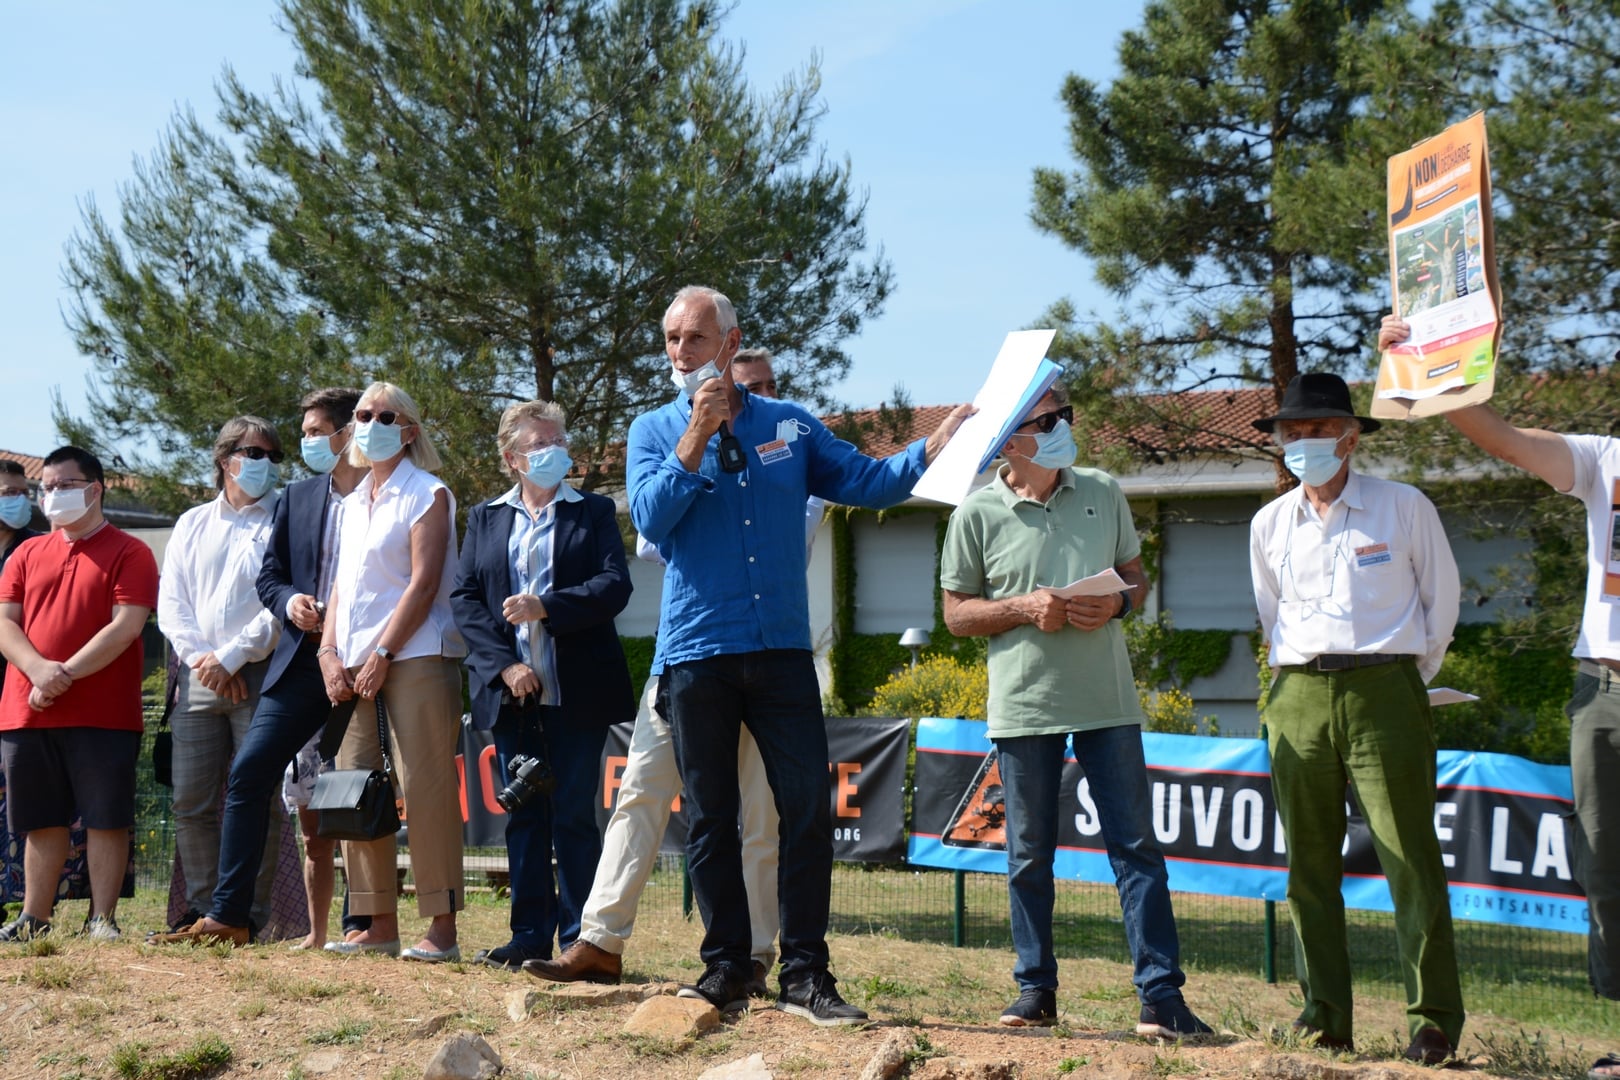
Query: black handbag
[358, 804]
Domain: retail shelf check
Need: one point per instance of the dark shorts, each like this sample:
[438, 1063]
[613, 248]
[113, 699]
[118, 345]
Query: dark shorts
[55, 774]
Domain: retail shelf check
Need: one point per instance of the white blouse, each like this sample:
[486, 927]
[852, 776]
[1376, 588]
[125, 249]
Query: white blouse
[374, 568]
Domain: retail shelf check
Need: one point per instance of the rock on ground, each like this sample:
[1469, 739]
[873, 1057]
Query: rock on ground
[751, 1067]
[463, 1057]
[672, 1018]
[961, 1068]
[890, 1056]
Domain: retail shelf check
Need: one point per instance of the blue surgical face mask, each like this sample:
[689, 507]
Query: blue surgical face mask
[379, 441]
[1314, 461]
[318, 453]
[1054, 449]
[16, 511]
[548, 465]
[255, 477]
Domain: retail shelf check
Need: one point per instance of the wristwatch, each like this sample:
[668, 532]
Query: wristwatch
[1125, 609]
[384, 652]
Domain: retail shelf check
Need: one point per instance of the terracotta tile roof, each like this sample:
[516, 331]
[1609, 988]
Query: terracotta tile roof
[33, 465]
[1175, 423]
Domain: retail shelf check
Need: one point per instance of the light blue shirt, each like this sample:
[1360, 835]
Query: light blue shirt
[735, 543]
[528, 555]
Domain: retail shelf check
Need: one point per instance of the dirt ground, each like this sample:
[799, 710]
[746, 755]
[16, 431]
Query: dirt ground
[71, 1009]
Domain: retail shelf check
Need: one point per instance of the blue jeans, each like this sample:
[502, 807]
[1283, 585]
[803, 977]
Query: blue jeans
[295, 708]
[775, 694]
[564, 822]
[1031, 773]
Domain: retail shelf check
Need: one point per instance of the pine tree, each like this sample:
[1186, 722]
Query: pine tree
[483, 202]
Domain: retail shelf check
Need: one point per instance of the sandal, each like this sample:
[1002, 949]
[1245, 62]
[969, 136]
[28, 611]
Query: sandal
[1606, 1067]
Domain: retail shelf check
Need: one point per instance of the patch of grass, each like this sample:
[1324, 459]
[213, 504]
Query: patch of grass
[1061, 1030]
[252, 1009]
[1107, 992]
[1522, 1054]
[878, 986]
[957, 979]
[1172, 1064]
[922, 1048]
[41, 946]
[54, 973]
[794, 1064]
[646, 1046]
[1069, 1065]
[347, 1031]
[283, 987]
[204, 1057]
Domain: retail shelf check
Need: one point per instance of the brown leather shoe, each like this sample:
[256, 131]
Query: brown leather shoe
[1430, 1047]
[580, 962]
[1317, 1037]
[197, 933]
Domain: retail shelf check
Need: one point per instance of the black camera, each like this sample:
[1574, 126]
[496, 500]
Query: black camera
[531, 776]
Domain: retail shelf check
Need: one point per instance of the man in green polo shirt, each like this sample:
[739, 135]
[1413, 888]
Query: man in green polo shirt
[1059, 670]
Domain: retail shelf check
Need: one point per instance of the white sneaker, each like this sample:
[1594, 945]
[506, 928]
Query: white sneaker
[101, 928]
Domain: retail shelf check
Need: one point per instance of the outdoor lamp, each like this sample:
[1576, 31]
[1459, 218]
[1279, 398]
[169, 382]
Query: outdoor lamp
[916, 639]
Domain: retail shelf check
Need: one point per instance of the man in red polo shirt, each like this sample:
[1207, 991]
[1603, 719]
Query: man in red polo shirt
[72, 605]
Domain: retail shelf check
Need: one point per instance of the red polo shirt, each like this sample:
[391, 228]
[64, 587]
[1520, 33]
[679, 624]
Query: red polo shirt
[68, 590]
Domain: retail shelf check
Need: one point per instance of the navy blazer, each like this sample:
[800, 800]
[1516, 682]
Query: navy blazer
[292, 563]
[590, 585]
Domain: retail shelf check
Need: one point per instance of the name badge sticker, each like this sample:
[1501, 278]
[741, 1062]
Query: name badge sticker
[772, 452]
[1372, 555]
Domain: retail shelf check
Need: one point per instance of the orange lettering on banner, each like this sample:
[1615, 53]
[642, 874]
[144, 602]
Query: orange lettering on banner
[847, 789]
[486, 771]
[461, 784]
[611, 779]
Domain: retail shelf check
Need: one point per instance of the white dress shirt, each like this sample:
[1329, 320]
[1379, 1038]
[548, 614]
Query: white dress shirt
[207, 602]
[374, 568]
[1375, 575]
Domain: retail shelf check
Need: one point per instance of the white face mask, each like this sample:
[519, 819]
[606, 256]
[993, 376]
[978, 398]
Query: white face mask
[65, 505]
[688, 382]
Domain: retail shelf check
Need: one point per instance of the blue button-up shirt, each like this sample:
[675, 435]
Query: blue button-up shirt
[529, 557]
[735, 542]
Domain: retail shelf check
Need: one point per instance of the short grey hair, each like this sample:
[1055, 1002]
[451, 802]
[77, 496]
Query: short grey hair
[528, 412]
[752, 356]
[723, 310]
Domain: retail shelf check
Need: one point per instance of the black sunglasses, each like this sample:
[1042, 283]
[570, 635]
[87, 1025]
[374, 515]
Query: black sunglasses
[1045, 422]
[259, 453]
[386, 418]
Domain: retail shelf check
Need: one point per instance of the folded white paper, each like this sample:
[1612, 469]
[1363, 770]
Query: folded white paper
[1104, 584]
[1445, 695]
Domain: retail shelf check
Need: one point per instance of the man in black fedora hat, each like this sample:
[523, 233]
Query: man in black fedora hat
[1357, 591]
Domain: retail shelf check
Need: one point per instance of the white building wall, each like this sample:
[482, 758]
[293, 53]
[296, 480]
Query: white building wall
[895, 576]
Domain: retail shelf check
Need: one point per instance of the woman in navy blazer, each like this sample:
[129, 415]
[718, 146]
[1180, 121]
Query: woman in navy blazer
[542, 576]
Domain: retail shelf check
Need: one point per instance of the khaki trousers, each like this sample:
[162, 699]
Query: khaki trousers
[423, 699]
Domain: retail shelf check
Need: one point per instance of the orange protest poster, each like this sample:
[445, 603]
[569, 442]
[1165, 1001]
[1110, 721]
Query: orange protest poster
[1442, 268]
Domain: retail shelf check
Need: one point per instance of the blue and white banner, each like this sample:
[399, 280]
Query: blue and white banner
[1500, 821]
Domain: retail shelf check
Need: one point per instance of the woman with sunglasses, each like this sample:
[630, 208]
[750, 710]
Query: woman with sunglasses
[389, 636]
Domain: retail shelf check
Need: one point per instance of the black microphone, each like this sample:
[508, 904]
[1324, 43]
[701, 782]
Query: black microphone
[732, 458]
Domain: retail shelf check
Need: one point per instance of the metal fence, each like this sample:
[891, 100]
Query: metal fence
[1534, 976]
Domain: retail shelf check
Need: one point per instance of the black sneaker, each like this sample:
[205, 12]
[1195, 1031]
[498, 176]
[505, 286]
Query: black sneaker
[815, 997]
[756, 986]
[1170, 1018]
[509, 956]
[721, 987]
[25, 928]
[1034, 1008]
[191, 915]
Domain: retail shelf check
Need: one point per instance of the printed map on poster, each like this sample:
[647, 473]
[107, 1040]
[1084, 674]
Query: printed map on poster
[1443, 274]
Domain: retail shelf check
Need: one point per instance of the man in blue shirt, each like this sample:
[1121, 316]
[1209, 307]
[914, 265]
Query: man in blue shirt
[734, 633]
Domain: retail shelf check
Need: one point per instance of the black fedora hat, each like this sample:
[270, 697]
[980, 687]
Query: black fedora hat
[1315, 394]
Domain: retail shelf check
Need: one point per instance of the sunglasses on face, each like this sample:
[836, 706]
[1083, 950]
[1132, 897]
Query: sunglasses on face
[386, 418]
[1045, 422]
[258, 453]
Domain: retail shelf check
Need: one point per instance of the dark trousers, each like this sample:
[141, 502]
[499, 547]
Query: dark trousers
[564, 824]
[775, 695]
[291, 711]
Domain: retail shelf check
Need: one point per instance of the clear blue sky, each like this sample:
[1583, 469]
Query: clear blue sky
[944, 107]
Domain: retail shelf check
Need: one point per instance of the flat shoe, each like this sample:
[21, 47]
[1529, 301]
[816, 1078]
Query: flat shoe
[352, 948]
[433, 956]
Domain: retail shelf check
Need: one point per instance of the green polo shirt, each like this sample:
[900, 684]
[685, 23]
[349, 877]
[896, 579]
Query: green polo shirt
[1000, 544]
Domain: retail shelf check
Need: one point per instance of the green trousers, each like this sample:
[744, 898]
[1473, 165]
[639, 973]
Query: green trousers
[1594, 765]
[1369, 728]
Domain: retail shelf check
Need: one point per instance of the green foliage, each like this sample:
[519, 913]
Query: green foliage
[638, 653]
[1172, 711]
[1522, 696]
[937, 686]
[204, 1057]
[485, 202]
[1161, 654]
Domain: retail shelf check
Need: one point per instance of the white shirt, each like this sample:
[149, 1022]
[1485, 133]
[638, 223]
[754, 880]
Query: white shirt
[374, 568]
[532, 566]
[207, 602]
[1597, 470]
[1376, 575]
